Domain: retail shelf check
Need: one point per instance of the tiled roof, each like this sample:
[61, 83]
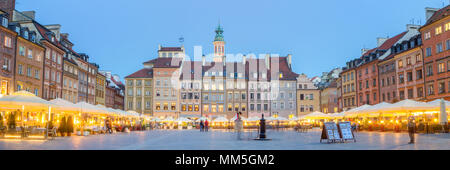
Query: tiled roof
[167, 62]
[391, 41]
[442, 13]
[282, 62]
[70, 60]
[191, 70]
[143, 73]
[258, 65]
[43, 31]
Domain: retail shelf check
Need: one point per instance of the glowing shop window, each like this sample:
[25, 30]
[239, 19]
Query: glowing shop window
[4, 87]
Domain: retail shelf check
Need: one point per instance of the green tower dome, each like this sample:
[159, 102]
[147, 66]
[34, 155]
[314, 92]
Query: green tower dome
[219, 34]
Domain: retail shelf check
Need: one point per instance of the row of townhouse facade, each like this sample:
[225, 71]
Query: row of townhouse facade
[411, 65]
[40, 59]
[172, 85]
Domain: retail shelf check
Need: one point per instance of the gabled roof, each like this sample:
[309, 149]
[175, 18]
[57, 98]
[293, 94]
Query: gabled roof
[143, 73]
[43, 31]
[287, 72]
[166, 62]
[442, 13]
[70, 61]
[191, 70]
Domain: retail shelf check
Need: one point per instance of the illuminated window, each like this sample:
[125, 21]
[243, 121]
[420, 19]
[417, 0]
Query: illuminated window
[400, 63]
[183, 107]
[173, 106]
[230, 107]
[427, 35]
[190, 107]
[158, 106]
[8, 42]
[206, 108]
[213, 108]
[281, 75]
[166, 106]
[438, 30]
[196, 107]
[447, 26]
[220, 108]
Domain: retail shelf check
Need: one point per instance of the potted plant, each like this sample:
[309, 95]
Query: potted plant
[62, 126]
[12, 120]
[69, 126]
[1, 121]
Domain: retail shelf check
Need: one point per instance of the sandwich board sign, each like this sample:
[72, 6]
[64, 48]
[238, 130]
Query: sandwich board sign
[345, 129]
[330, 132]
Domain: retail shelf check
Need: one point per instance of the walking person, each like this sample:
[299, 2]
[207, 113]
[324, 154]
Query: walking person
[411, 129]
[206, 125]
[201, 126]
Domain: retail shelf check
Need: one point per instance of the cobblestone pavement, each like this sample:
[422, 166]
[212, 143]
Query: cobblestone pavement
[227, 140]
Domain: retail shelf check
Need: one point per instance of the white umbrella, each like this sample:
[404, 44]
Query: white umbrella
[202, 119]
[183, 119]
[406, 106]
[25, 100]
[315, 115]
[235, 117]
[443, 115]
[295, 118]
[88, 108]
[437, 104]
[220, 119]
[64, 105]
[281, 118]
[169, 119]
[254, 118]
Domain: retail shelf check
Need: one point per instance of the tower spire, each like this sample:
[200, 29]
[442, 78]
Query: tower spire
[219, 44]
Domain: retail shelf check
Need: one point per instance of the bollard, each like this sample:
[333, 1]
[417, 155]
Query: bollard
[262, 130]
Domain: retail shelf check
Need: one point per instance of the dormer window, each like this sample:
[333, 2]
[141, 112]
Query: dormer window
[25, 34]
[5, 21]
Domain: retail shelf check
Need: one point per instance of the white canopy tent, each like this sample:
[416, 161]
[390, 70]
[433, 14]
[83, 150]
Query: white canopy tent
[220, 119]
[24, 100]
[64, 105]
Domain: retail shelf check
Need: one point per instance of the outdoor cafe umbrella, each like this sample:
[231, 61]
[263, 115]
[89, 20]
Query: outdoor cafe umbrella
[437, 104]
[406, 106]
[24, 100]
[220, 119]
[254, 118]
[235, 117]
[183, 119]
[443, 115]
[64, 105]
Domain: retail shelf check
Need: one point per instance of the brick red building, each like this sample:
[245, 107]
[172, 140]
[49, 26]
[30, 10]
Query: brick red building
[367, 71]
[436, 45]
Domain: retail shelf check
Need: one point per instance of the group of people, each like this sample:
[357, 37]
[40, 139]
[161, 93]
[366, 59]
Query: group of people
[204, 126]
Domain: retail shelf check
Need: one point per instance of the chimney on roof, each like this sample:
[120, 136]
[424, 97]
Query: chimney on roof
[364, 50]
[65, 35]
[203, 60]
[29, 14]
[8, 6]
[289, 60]
[55, 28]
[244, 59]
[429, 12]
[380, 41]
[267, 61]
[410, 27]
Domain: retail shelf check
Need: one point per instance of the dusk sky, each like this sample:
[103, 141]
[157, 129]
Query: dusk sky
[120, 35]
